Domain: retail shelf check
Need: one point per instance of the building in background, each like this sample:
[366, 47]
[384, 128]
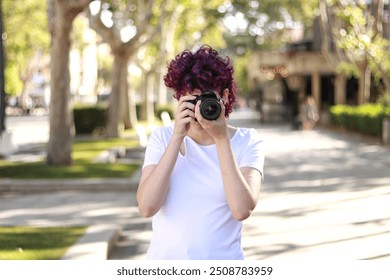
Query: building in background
[280, 80]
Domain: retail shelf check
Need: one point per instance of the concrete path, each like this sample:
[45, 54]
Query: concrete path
[325, 195]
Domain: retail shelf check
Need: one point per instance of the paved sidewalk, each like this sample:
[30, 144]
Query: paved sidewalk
[325, 195]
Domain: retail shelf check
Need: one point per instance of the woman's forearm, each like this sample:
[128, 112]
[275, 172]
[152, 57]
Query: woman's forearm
[153, 187]
[241, 192]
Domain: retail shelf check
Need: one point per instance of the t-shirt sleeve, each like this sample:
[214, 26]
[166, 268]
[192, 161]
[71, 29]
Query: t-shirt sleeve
[154, 149]
[253, 153]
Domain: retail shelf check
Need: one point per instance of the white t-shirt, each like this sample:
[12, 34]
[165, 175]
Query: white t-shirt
[195, 221]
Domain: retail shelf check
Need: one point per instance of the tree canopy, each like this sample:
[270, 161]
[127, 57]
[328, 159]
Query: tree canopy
[26, 36]
[361, 48]
[265, 24]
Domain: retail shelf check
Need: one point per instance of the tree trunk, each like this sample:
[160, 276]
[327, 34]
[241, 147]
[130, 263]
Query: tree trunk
[364, 83]
[132, 107]
[59, 147]
[386, 81]
[126, 103]
[61, 14]
[166, 50]
[326, 35]
[147, 89]
[119, 79]
[130, 114]
[126, 112]
[122, 52]
[144, 89]
[149, 97]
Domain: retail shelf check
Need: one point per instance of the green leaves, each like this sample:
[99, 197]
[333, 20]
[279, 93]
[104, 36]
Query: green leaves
[356, 33]
[26, 35]
[268, 22]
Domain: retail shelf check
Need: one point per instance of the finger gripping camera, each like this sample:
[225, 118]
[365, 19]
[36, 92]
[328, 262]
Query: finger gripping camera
[210, 108]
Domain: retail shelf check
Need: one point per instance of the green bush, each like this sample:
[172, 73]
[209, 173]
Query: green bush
[365, 118]
[89, 119]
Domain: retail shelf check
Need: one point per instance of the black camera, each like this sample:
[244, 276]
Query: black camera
[210, 108]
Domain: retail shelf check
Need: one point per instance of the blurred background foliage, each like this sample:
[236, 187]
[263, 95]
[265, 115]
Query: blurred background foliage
[131, 42]
[236, 26]
[26, 40]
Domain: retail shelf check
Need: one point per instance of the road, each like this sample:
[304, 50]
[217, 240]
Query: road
[28, 129]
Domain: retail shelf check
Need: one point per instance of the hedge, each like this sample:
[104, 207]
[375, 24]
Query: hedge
[365, 118]
[89, 119]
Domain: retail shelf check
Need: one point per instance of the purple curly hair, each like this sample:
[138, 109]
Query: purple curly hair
[204, 69]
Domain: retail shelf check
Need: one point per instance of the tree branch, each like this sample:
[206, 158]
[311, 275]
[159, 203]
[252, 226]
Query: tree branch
[108, 34]
[326, 35]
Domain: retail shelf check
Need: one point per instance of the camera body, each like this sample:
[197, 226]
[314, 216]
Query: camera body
[210, 108]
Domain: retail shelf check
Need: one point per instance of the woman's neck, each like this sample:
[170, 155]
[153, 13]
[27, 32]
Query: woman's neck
[201, 137]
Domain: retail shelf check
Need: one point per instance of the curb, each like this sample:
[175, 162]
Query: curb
[95, 244]
[88, 184]
[98, 240]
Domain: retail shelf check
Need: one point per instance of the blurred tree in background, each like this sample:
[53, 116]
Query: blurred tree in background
[265, 24]
[26, 43]
[360, 49]
[61, 14]
[262, 25]
[128, 27]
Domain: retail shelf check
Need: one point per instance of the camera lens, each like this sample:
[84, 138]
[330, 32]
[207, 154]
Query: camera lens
[210, 109]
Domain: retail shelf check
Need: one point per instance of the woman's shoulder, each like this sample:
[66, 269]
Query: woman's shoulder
[246, 132]
[246, 136]
[163, 132]
[161, 136]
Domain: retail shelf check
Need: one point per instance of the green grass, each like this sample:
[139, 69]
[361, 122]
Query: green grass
[32, 243]
[84, 151]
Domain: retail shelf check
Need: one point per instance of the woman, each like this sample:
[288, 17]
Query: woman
[309, 113]
[201, 177]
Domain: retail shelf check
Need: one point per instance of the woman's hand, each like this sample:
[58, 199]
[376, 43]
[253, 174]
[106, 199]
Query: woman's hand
[185, 116]
[218, 128]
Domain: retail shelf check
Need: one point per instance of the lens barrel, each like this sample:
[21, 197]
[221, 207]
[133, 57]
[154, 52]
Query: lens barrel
[210, 109]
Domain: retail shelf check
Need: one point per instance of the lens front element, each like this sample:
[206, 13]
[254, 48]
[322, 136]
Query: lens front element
[210, 109]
